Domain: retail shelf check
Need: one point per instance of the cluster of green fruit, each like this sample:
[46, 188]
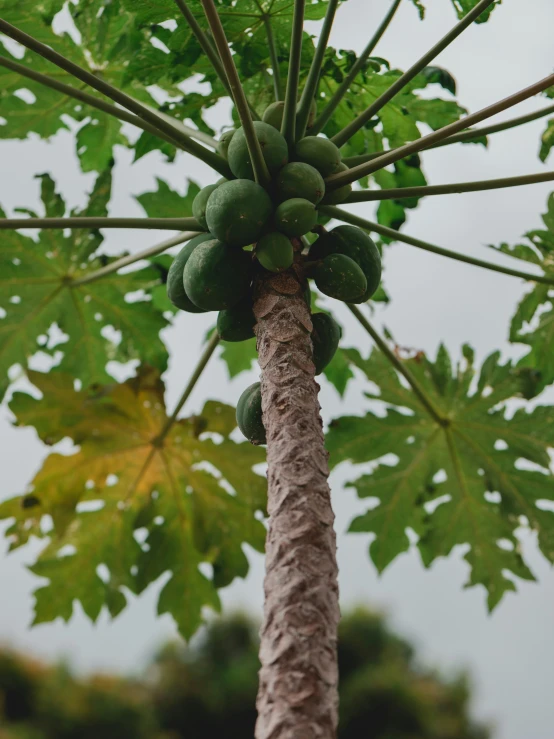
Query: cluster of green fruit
[251, 228]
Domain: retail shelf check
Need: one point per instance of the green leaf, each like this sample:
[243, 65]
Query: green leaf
[136, 509]
[547, 141]
[460, 482]
[36, 296]
[463, 7]
[239, 356]
[338, 372]
[533, 322]
[96, 140]
[167, 203]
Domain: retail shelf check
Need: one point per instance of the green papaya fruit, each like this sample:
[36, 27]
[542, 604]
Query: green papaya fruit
[217, 276]
[356, 244]
[299, 180]
[338, 276]
[199, 204]
[274, 114]
[326, 336]
[237, 323]
[274, 149]
[224, 142]
[320, 153]
[295, 217]
[274, 252]
[175, 287]
[335, 197]
[238, 211]
[249, 415]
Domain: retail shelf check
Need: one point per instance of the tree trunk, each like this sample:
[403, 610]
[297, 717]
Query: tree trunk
[297, 696]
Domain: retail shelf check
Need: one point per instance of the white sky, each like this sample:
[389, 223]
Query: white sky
[510, 654]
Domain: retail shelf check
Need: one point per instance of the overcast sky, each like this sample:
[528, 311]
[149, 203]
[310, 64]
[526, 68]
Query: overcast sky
[511, 653]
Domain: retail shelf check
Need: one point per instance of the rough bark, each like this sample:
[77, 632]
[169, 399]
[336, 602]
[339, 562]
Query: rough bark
[297, 697]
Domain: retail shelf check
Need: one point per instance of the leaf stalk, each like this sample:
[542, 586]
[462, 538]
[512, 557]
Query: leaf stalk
[363, 170]
[259, 166]
[354, 126]
[400, 366]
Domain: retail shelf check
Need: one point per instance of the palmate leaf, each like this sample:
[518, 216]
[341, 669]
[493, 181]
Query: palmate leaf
[239, 19]
[463, 482]
[533, 322]
[110, 40]
[164, 202]
[126, 509]
[36, 294]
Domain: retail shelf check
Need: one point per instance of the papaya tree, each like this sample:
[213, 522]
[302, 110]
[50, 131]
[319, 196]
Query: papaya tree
[314, 129]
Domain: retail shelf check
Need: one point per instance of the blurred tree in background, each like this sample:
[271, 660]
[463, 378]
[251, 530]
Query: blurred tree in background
[209, 689]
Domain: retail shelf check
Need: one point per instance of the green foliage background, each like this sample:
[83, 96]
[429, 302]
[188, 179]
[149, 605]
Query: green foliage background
[209, 689]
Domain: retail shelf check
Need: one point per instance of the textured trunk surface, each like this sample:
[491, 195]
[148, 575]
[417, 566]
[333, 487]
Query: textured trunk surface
[297, 697]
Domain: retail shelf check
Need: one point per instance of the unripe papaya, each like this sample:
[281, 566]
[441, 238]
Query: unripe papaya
[224, 142]
[274, 252]
[320, 153]
[249, 415]
[335, 197]
[326, 336]
[356, 244]
[295, 217]
[274, 149]
[338, 276]
[274, 114]
[237, 323]
[199, 204]
[238, 211]
[217, 276]
[175, 287]
[299, 180]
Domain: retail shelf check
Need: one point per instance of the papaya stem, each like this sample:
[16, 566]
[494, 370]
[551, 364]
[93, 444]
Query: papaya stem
[399, 193]
[321, 121]
[209, 349]
[390, 233]
[170, 224]
[288, 127]
[301, 592]
[274, 57]
[132, 258]
[354, 126]
[103, 105]
[418, 389]
[362, 170]
[142, 111]
[464, 136]
[312, 80]
[259, 166]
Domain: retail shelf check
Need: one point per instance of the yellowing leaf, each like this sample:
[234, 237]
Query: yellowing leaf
[132, 504]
